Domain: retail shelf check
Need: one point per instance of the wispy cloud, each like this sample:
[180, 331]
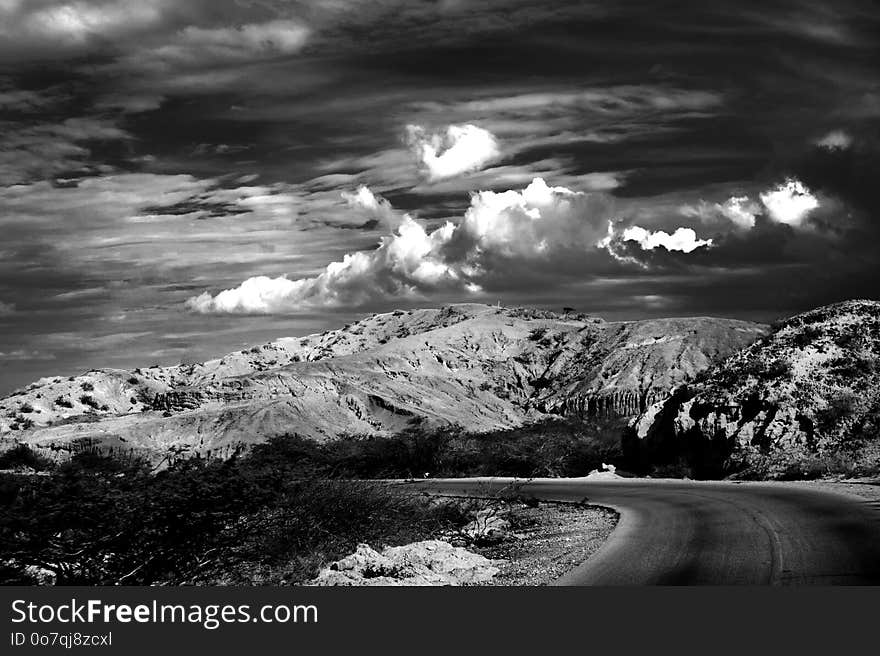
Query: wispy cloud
[50, 149]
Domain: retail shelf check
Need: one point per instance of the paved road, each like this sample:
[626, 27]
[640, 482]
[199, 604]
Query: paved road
[700, 533]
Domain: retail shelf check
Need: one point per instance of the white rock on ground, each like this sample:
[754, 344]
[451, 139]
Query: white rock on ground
[431, 562]
[605, 472]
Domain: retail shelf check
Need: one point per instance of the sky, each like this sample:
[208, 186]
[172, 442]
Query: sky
[182, 178]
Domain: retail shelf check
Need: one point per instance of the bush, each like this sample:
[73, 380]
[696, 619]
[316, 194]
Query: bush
[21, 456]
[97, 520]
[87, 399]
[841, 404]
[87, 386]
[550, 448]
[537, 334]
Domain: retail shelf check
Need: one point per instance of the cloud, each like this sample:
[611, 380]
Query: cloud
[741, 211]
[77, 22]
[835, 140]
[197, 45]
[22, 100]
[55, 28]
[405, 262]
[376, 207]
[49, 149]
[6, 309]
[532, 227]
[461, 149]
[364, 198]
[26, 354]
[683, 239]
[789, 202]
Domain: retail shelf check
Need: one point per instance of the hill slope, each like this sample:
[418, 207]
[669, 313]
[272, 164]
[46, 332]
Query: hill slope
[480, 366]
[803, 400]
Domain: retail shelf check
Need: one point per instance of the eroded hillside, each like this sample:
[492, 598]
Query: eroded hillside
[479, 366]
[803, 400]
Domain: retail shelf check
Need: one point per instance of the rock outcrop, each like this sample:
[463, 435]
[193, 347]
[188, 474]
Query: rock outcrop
[479, 366]
[427, 563]
[803, 400]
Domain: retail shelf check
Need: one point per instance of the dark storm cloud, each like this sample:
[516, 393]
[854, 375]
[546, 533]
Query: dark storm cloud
[155, 149]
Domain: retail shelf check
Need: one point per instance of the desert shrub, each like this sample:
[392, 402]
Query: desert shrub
[840, 405]
[26, 408]
[101, 520]
[676, 469]
[63, 402]
[852, 367]
[550, 448]
[133, 380]
[758, 368]
[806, 336]
[21, 456]
[87, 386]
[89, 400]
[537, 334]
[848, 339]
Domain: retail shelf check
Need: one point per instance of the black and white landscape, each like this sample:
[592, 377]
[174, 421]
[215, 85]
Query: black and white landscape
[258, 255]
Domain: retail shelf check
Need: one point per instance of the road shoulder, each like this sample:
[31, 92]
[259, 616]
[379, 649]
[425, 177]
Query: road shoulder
[547, 541]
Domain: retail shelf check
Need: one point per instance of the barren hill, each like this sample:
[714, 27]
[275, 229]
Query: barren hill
[802, 401]
[479, 366]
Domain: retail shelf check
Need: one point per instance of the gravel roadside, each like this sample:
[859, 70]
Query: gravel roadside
[547, 541]
[865, 488]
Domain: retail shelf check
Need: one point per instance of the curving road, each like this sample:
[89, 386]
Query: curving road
[674, 532]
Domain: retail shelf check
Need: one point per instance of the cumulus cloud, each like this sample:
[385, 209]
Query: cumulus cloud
[405, 262]
[364, 198]
[740, 210]
[375, 206]
[460, 149]
[835, 140]
[628, 245]
[683, 239]
[789, 202]
[530, 226]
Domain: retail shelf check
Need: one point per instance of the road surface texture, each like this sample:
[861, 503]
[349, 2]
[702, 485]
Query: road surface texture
[674, 532]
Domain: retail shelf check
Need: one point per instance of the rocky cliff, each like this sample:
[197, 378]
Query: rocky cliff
[803, 400]
[479, 366]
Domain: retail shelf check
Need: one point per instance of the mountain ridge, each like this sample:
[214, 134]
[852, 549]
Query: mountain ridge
[484, 367]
